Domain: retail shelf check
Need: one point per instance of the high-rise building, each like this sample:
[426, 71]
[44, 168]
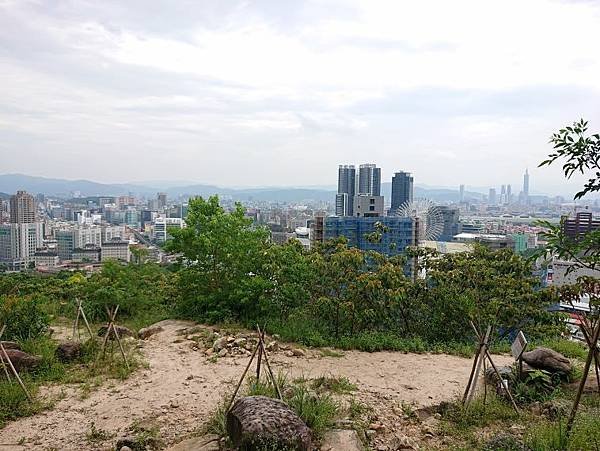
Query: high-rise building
[346, 189]
[22, 208]
[503, 194]
[162, 200]
[369, 180]
[492, 197]
[402, 190]
[526, 183]
[452, 226]
[461, 193]
[508, 194]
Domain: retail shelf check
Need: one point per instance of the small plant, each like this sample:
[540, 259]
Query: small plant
[335, 384]
[357, 409]
[316, 410]
[408, 410]
[95, 435]
[326, 352]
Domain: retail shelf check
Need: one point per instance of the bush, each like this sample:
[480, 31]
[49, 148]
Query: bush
[23, 317]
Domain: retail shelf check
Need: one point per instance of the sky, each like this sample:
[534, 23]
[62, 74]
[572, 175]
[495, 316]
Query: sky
[279, 92]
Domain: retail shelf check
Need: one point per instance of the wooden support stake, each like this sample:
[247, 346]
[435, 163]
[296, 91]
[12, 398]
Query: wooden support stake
[585, 328]
[586, 369]
[15, 373]
[260, 338]
[262, 344]
[499, 376]
[243, 376]
[85, 321]
[2, 358]
[480, 357]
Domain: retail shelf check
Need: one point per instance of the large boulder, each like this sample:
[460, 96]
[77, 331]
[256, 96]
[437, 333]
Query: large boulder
[547, 359]
[257, 421]
[21, 360]
[68, 351]
[121, 330]
[11, 345]
[149, 331]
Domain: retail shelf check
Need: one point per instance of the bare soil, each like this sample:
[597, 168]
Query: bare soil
[181, 387]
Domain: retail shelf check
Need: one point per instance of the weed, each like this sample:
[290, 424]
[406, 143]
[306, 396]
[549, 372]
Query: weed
[326, 352]
[95, 435]
[335, 384]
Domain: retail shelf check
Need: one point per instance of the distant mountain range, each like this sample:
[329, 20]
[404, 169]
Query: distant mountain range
[10, 183]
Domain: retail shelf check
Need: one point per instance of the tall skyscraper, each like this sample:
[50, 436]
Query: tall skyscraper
[461, 193]
[369, 180]
[346, 189]
[508, 194]
[402, 189]
[492, 197]
[162, 200]
[526, 183]
[22, 208]
[503, 194]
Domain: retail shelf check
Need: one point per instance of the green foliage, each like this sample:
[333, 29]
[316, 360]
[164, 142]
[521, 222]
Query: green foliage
[221, 254]
[23, 317]
[580, 152]
[536, 386]
[548, 435]
[335, 384]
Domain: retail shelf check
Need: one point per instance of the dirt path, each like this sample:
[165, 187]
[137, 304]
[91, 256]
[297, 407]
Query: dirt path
[181, 387]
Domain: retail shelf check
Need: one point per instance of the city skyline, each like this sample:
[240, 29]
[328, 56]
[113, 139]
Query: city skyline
[252, 93]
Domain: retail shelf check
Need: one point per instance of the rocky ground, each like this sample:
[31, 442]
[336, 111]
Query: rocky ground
[191, 367]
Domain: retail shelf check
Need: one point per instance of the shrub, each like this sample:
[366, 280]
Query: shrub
[23, 317]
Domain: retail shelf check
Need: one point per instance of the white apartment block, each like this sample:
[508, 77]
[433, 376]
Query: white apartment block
[19, 242]
[115, 250]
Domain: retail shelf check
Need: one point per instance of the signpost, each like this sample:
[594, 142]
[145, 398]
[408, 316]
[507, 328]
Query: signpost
[518, 348]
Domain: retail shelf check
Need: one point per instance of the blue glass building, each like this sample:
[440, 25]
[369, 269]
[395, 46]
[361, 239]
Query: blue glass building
[401, 234]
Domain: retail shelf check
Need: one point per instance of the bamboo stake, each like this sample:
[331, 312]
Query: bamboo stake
[85, 321]
[76, 323]
[260, 338]
[262, 345]
[2, 358]
[586, 369]
[243, 376]
[16, 374]
[479, 362]
[514, 404]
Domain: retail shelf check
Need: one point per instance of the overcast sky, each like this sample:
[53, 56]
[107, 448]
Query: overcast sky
[279, 92]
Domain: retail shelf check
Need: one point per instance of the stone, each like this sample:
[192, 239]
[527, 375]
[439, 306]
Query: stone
[121, 330]
[209, 352]
[492, 378]
[240, 342]
[230, 340]
[402, 442]
[125, 448]
[297, 352]
[256, 420]
[68, 351]
[219, 344]
[208, 442]
[11, 345]
[272, 346]
[21, 360]
[548, 359]
[147, 332]
[223, 353]
[338, 439]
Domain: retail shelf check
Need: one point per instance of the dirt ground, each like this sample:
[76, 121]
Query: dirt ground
[181, 387]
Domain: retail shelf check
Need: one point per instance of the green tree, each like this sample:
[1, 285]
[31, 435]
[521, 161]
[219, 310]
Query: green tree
[221, 255]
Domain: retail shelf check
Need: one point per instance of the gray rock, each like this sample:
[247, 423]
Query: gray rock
[223, 352]
[272, 346]
[297, 352]
[11, 345]
[219, 344]
[68, 351]
[548, 359]
[256, 420]
[147, 332]
[341, 439]
[240, 342]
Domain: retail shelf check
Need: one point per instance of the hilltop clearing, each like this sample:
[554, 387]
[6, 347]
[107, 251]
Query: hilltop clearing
[182, 385]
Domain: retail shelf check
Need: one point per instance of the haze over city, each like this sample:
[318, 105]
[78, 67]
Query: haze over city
[274, 93]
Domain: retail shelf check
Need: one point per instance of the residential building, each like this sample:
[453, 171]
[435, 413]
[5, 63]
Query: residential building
[115, 250]
[71, 238]
[452, 226]
[583, 223]
[22, 208]
[46, 259]
[161, 227]
[18, 244]
[369, 180]
[110, 232]
[492, 200]
[90, 253]
[346, 190]
[402, 190]
[162, 200]
[401, 232]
